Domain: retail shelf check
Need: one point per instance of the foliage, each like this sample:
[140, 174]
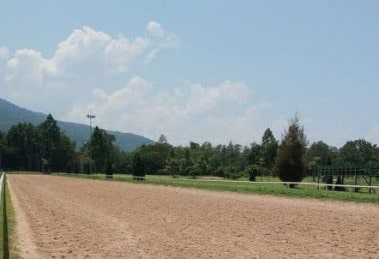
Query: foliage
[318, 153]
[290, 159]
[269, 148]
[138, 166]
[254, 156]
[102, 149]
[359, 152]
[45, 147]
[195, 170]
[11, 114]
[231, 172]
[49, 138]
[263, 156]
[229, 161]
[154, 157]
[162, 139]
[26, 148]
[255, 170]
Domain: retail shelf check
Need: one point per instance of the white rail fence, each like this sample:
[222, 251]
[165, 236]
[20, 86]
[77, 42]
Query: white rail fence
[316, 185]
[2, 186]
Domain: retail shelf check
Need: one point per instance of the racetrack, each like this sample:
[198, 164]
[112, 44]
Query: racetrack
[60, 217]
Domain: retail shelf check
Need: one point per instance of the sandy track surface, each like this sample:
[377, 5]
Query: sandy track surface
[97, 219]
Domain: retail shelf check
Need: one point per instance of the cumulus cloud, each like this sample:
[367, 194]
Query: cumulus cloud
[166, 39]
[220, 113]
[203, 99]
[28, 67]
[86, 68]
[86, 59]
[155, 29]
[97, 52]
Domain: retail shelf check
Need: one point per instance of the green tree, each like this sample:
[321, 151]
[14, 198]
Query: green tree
[358, 152]
[102, 148]
[138, 166]
[155, 157]
[35, 148]
[196, 169]
[23, 152]
[290, 158]
[67, 161]
[49, 140]
[194, 145]
[162, 139]
[173, 167]
[254, 156]
[269, 148]
[318, 153]
[55, 148]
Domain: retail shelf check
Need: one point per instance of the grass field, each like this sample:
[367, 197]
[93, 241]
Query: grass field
[7, 221]
[259, 187]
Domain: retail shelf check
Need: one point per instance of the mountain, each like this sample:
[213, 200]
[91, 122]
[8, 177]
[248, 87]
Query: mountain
[11, 114]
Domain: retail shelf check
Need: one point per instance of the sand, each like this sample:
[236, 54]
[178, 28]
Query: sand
[78, 218]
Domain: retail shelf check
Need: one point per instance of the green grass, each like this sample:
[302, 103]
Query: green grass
[7, 221]
[307, 191]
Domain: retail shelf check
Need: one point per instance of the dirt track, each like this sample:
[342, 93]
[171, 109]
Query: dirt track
[97, 219]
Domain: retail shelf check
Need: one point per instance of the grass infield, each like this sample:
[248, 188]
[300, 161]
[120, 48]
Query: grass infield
[7, 220]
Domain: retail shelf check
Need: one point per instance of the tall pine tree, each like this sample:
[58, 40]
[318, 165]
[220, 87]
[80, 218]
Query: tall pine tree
[290, 164]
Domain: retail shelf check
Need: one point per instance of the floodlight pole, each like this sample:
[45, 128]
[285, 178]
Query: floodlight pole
[90, 117]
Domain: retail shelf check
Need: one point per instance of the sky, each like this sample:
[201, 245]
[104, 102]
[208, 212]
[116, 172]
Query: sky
[199, 71]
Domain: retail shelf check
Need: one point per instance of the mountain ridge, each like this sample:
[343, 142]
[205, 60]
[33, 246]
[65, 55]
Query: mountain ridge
[11, 114]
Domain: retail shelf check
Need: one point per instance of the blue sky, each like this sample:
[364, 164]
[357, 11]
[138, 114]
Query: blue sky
[214, 71]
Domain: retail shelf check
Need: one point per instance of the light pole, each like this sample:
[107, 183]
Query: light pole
[90, 117]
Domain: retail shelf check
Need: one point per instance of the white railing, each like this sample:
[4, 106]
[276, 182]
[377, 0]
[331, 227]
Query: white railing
[290, 183]
[2, 186]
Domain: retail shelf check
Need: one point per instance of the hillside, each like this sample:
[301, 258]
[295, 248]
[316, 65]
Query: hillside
[11, 114]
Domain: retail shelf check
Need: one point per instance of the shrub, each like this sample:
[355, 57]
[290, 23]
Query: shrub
[232, 173]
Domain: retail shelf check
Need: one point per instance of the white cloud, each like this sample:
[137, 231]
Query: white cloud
[97, 52]
[85, 60]
[27, 67]
[220, 113]
[166, 39]
[81, 75]
[155, 29]
[203, 99]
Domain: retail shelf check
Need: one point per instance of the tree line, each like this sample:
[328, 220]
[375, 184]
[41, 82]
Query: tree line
[45, 148]
[41, 148]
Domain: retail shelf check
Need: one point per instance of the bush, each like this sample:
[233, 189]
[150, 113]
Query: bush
[232, 173]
